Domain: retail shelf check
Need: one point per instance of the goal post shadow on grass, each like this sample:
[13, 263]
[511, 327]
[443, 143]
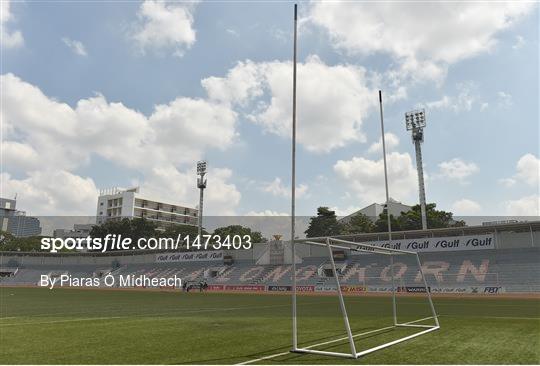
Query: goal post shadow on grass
[360, 247]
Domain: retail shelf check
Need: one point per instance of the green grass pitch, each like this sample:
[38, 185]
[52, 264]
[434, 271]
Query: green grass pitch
[68, 326]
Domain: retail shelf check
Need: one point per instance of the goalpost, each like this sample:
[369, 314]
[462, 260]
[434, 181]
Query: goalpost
[330, 243]
[348, 245]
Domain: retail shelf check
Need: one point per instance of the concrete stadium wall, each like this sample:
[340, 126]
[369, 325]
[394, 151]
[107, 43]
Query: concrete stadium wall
[510, 239]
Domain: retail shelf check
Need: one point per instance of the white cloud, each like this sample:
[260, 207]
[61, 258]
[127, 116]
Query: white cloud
[112, 130]
[411, 32]
[267, 88]
[457, 169]
[391, 142]
[266, 213]
[52, 192]
[466, 97]
[527, 171]
[525, 206]
[165, 25]
[466, 207]
[13, 38]
[76, 46]
[232, 32]
[505, 99]
[41, 132]
[365, 178]
[18, 157]
[507, 182]
[520, 42]
[484, 106]
[278, 189]
[169, 184]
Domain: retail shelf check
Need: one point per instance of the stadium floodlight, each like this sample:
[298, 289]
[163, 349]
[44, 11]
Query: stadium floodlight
[201, 167]
[331, 243]
[415, 121]
[201, 184]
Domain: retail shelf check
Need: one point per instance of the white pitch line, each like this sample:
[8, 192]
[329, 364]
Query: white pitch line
[315, 345]
[492, 317]
[65, 321]
[183, 312]
[264, 358]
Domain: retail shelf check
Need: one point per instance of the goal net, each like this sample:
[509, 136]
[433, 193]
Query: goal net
[377, 297]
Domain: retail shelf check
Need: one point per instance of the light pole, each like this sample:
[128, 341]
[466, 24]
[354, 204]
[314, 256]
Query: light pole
[201, 184]
[415, 122]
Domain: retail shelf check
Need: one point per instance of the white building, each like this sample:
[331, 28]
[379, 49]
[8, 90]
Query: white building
[115, 203]
[375, 209]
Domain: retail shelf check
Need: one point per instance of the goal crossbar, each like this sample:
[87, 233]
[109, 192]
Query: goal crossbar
[354, 246]
[360, 247]
[355, 249]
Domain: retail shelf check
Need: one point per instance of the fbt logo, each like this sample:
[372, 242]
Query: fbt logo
[492, 290]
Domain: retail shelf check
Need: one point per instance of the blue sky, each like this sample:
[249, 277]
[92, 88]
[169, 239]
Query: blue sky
[101, 94]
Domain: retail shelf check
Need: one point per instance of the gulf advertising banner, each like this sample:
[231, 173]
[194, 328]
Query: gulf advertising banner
[440, 244]
[256, 288]
[216, 255]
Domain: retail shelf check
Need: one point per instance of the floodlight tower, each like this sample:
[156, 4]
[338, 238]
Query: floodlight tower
[415, 122]
[201, 184]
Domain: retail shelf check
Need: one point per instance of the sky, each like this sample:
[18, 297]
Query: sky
[128, 93]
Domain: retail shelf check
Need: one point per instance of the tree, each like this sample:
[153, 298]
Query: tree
[11, 243]
[129, 228]
[324, 224]
[412, 219]
[256, 236]
[358, 223]
[381, 225]
[172, 231]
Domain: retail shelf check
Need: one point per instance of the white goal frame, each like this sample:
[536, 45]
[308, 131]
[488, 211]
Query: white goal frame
[330, 243]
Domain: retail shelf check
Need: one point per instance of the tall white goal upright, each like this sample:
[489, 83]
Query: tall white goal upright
[332, 243]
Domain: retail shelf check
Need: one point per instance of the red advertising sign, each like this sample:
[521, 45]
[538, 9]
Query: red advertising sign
[215, 288]
[305, 288]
